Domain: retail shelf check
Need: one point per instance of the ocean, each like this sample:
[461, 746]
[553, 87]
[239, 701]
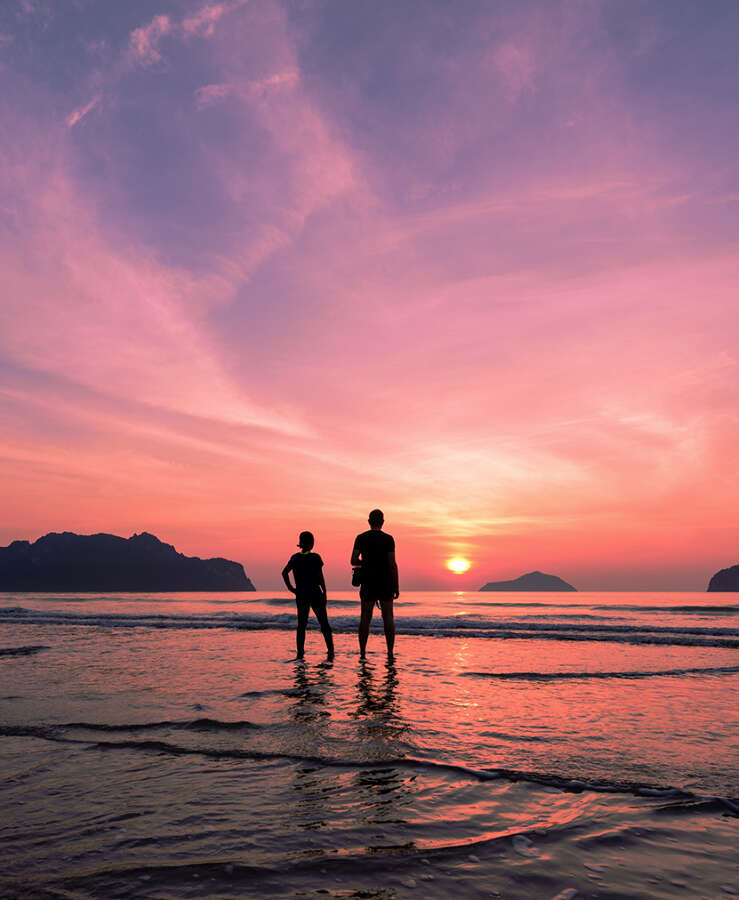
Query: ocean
[520, 745]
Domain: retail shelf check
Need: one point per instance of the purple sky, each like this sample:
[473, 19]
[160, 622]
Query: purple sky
[265, 266]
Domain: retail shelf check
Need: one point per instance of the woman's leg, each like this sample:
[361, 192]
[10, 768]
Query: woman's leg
[303, 611]
[319, 608]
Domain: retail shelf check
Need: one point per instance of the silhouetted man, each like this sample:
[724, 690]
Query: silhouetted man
[374, 551]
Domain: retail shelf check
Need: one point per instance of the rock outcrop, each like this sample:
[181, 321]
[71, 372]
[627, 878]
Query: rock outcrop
[104, 562]
[532, 581]
[725, 580]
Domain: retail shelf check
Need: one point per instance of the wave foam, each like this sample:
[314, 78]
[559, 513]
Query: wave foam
[29, 650]
[202, 725]
[431, 626]
[559, 676]
[572, 785]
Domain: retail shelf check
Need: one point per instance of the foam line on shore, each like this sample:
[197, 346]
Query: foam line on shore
[29, 650]
[201, 724]
[731, 609]
[438, 626]
[572, 785]
[576, 676]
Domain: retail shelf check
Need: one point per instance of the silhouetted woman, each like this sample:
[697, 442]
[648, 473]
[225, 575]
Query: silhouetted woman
[309, 590]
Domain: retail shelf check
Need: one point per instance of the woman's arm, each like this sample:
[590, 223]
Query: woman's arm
[285, 573]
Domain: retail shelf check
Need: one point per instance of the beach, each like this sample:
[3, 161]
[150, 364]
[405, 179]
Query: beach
[520, 745]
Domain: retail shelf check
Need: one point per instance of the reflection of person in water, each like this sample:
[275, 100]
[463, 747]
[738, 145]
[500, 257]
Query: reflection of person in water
[309, 693]
[311, 704]
[381, 729]
[377, 700]
[309, 590]
[374, 553]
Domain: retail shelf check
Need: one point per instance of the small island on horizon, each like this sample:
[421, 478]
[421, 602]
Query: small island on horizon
[105, 562]
[531, 581]
[725, 580]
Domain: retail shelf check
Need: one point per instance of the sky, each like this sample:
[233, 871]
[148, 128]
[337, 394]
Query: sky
[267, 265]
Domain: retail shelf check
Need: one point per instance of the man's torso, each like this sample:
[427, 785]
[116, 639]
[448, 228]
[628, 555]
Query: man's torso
[374, 547]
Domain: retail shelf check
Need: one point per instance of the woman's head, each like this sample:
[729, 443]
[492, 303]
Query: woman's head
[306, 540]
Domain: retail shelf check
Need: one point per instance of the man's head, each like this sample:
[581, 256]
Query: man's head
[306, 540]
[376, 518]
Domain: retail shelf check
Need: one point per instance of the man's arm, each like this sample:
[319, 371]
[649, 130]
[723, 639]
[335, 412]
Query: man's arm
[322, 584]
[356, 559]
[394, 573]
[285, 572]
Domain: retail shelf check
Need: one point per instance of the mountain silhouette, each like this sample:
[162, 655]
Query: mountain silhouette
[532, 581]
[105, 562]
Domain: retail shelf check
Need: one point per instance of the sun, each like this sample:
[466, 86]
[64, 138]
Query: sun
[458, 564]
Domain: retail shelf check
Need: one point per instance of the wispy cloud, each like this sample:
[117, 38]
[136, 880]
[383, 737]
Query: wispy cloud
[106, 317]
[210, 94]
[307, 165]
[144, 41]
[78, 114]
[203, 21]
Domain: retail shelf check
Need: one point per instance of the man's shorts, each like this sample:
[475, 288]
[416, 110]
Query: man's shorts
[375, 593]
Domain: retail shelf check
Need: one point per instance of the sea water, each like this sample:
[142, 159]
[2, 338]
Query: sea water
[520, 745]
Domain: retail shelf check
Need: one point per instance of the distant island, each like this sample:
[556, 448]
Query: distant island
[725, 580]
[105, 562]
[532, 581]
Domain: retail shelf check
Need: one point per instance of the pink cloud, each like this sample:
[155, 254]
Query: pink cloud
[203, 22]
[308, 166]
[144, 41]
[108, 317]
[143, 48]
[287, 79]
[78, 114]
[210, 94]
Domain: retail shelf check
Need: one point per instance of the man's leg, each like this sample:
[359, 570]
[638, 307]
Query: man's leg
[364, 623]
[319, 608]
[388, 620]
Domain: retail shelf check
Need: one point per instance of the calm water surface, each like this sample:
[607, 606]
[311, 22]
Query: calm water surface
[521, 745]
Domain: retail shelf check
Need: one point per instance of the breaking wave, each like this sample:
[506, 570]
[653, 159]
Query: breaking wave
[729, 609]
[431, 626]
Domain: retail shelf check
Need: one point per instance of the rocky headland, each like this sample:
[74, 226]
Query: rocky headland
[532, 581]
[725, 580]
[105, 562]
